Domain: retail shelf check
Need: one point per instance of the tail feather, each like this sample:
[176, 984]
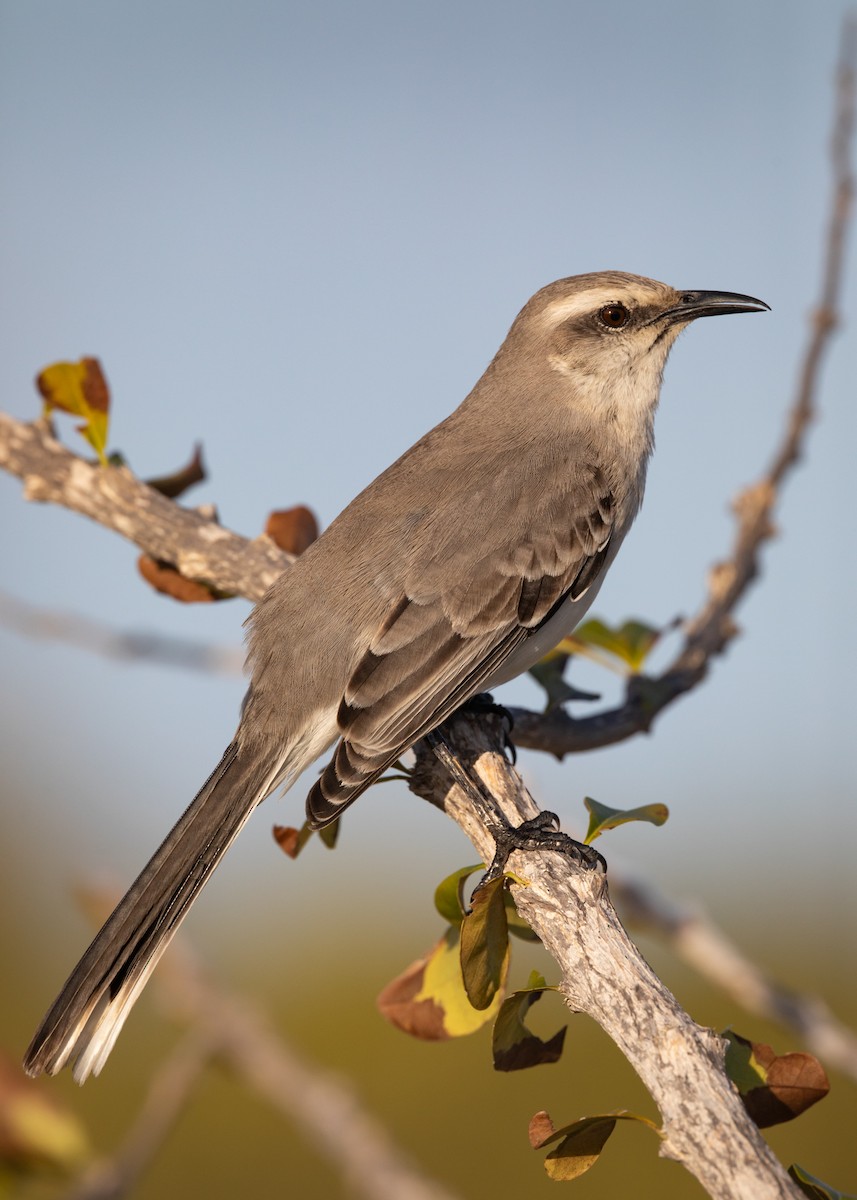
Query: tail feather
[89, 1012]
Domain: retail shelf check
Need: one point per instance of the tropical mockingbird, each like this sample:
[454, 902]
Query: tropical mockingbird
[460, 566]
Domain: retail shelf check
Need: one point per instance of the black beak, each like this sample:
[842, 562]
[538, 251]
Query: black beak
[711, 304]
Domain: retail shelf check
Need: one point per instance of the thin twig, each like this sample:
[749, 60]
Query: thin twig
[170, 1090]
[713, 627]
[48, 624]
[320, 1103]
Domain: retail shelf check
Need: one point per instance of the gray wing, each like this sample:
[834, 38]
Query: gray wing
[436, 648]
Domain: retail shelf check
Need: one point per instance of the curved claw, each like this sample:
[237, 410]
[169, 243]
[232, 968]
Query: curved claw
[541, 832]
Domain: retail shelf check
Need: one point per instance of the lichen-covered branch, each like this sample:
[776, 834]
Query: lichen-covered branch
[698, 941]
[114, 497]
[705, 1126]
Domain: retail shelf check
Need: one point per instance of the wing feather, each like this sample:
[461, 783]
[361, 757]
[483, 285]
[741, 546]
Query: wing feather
[433, 651]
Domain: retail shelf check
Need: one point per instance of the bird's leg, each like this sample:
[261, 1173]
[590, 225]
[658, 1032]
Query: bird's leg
[541, 832]
[482, 704]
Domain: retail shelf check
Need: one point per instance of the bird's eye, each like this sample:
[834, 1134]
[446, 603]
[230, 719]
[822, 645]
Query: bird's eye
[614, 316]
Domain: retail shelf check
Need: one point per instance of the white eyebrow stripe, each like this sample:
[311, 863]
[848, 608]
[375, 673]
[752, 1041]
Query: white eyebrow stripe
[576, 306]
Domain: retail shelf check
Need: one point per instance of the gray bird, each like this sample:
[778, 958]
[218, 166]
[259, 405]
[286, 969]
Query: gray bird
[456, 569]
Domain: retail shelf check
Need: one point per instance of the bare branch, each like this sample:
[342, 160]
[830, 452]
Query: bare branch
[320, 1103]
[713, 627]
[196, 545]
[705, 1126]
[124, 645]
[170, 1090]
[702, 945]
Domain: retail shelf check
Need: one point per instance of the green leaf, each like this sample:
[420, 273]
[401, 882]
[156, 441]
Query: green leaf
[774, 1087]
[81, 389]
[428, 999]
[513, 1045]
[449, 894]
[548, 673]
[485, 945]
[816, 1188]
[603, 817]
[630, 643]
[580, 1143]
[330, 834]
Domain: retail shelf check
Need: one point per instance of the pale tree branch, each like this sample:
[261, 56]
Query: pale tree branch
[701, 944]
[705, 1125]
[692, 936]
[191, 541]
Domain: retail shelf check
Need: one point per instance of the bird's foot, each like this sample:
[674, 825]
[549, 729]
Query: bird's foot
[539, 833]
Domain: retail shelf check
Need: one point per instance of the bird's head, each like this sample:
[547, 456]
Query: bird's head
[605, 337]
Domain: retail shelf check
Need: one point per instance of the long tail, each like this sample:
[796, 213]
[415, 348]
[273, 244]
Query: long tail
[89, 1012]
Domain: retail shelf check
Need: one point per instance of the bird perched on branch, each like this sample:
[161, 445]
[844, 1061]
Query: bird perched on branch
[460, 566]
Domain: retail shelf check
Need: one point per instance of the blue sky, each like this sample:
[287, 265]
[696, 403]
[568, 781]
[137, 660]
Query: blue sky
[299, 234]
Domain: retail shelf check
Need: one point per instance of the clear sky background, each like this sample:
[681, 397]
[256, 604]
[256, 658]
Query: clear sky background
[299, 233]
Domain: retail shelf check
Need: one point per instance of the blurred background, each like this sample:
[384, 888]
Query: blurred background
[299, 233]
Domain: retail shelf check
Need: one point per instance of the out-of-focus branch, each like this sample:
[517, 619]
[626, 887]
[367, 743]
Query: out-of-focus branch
[695, 939]
[126, 645]
[227, 1028]
[170, 1090]
[709, 632]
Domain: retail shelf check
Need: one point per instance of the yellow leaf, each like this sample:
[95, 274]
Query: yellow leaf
[79, 388]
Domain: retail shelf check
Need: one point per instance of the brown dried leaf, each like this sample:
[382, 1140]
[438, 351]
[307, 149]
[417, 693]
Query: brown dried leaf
[166, 579]
[398, 1002]
[292, 529]
[541, 1129]
[775, 1088]
[288, 839]
[185, 477]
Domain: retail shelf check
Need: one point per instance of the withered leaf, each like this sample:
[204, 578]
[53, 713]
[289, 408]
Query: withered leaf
[79, 388]
[428, 999]
[292, 529]
[290, 840]
[165, 579]
[775, 1088]
[515, 1047]
[541, 1129]
[174, 484]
